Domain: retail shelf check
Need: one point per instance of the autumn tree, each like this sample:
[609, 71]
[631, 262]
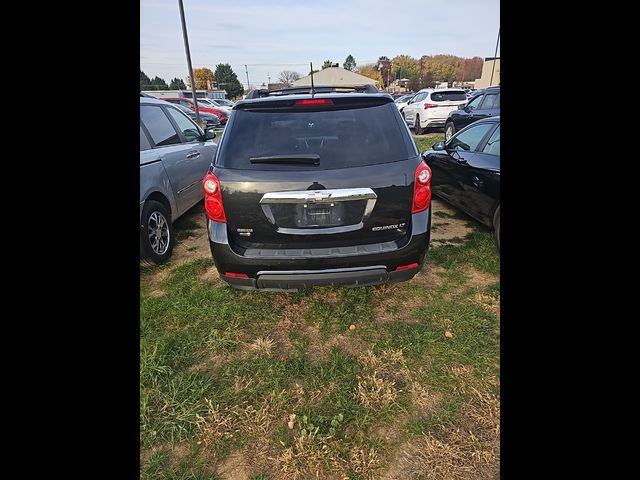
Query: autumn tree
[349, 63]
[177, 84]
[369, 70]
[404, 66]
[470, 69]
[288, 77]
[202, 75]
[384, 67]
[228, 80]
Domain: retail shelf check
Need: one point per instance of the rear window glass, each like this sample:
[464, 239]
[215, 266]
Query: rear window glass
[341, 138]
[448, 96]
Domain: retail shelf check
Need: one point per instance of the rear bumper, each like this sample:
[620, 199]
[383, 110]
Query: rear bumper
[296, 272]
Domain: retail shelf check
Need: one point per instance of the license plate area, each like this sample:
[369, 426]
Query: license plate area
[319, 214]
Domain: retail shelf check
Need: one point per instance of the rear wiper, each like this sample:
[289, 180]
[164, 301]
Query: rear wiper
[312, 159]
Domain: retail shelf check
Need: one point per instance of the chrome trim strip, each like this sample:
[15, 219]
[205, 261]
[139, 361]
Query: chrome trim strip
[328, 270]
[188, 186]
[312, 196]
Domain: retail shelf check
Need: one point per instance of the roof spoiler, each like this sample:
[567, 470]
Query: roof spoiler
[261, 93]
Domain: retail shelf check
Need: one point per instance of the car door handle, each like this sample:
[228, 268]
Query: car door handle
[194, 154]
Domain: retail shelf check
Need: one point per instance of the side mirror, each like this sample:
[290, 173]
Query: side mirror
[438, 146]
[462, 107]
[209, 134]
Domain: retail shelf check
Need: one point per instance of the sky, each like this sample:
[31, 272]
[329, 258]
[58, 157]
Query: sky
[274, 35]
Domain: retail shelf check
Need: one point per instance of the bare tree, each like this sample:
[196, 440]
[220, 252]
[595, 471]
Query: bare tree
[288, 77]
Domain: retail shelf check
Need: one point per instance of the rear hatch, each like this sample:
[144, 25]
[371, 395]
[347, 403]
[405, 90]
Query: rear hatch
[446, 101]
[319, 175]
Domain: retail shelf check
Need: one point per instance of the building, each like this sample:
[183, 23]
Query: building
[490, 63]
[401, 85]
[186, 93]
[335, 77]
[277, 86]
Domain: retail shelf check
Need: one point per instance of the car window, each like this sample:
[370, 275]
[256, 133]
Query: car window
[341, 138]
[184, 103]
[491, 101]
[419, 97]
[473, 104]
[469, 139]
[186, 126]
[493, 145]
[451, 95]
[159, 126]
[144, 141]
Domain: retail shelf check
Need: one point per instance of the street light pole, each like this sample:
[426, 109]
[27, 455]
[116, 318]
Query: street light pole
[494, 58]
[186, 48]
[247, 72]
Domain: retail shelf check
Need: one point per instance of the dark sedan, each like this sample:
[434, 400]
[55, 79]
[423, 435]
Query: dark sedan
[466, 171]
[482, 104]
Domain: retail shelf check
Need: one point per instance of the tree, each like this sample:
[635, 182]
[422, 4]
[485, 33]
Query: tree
[349, 63]
[177, 84]
[327, 64]
[384, 67]
[404, 66]
[288, 77]
[228, 80]
[369, 70]
[145, 81]
[470, 69]
[202, 75]
[157, 83]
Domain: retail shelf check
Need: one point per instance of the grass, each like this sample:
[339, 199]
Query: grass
[282, 382]
[424, 142]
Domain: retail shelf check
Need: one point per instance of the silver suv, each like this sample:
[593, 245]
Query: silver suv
[175, 154]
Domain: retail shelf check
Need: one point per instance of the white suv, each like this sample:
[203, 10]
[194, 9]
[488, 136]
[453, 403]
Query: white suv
[430, 107]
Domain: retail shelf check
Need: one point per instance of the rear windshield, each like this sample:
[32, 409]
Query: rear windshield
[448, 96]
[342, 138]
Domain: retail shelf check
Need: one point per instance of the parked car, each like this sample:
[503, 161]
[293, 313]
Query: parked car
[218, 103]
[187, 102]
[401, 102]
[175, 153]
[466, 171]
[210, 119]
[309, 190]
[429, 108]
[485, 103]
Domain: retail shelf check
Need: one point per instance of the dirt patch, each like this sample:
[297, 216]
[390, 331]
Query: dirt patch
[468, 450]
[191, 248]
[320, 349]
[235, 467]
[477, 279]
[393, 302]
[445, 230]
[210, 275]
[158, 292]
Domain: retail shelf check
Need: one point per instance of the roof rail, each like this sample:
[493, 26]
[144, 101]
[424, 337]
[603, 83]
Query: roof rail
[261, 93]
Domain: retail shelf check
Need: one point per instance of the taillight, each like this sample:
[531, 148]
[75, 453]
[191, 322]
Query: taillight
[313, 102]
[430, 105]
[421, 188]
[236, 275]
[213, 198]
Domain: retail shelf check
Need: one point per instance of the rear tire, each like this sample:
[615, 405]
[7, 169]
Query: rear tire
[156, 234]
[419, 130]
[496, 227]
[449, 131]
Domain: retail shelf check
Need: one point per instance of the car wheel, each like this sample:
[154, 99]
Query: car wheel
[449, 131]
[419, 130]
[156, 234]
[496, 227]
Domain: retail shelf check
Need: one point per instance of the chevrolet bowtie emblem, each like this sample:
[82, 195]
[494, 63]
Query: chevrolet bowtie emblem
[319, 196]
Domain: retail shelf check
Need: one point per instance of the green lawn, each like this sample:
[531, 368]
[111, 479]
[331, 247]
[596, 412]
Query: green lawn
[277, 386]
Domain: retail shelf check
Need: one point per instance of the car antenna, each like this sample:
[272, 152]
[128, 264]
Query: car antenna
[312, 90]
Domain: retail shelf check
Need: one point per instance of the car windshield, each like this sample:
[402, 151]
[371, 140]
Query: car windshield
[204, 104]
[225, 103]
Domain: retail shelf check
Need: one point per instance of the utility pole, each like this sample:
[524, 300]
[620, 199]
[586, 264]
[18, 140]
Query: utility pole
[186, 48]
[247, 72]
[494, 58]
[268, 79]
